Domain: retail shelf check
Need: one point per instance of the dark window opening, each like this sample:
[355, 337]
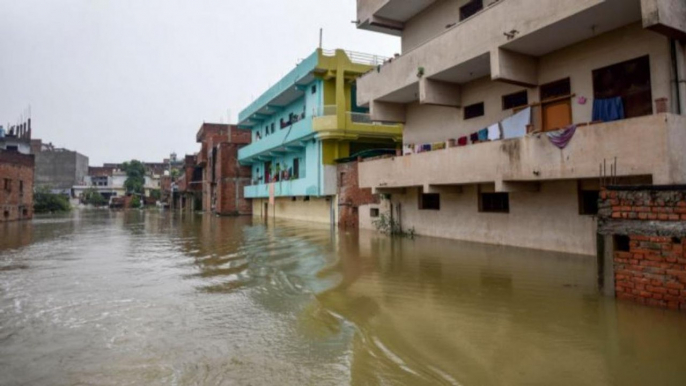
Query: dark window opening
[514, 100]
[21, 188]
[374, 212]
[473, 111]
[471, 8]
[494, 202]
[557, 89]
[267, 172]
[430, 201]
[588, 202]
[24, 212]
[293, 199]
[296, 168]
[12, 148]
[676, 240]
[6, 213]
[629, 80]
[314, 89]
[273, 127]
[307, 198]
[622, 243]
[8, 185]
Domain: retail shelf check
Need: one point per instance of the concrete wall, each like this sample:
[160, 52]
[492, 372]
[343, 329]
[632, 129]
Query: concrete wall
[547, 220]
[60, 169]
[432, 22]
[315, 210]
[665, 16]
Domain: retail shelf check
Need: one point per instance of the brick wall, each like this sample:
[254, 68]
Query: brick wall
[16, 200]
[231, 178]
[648, 226]
[351, 196]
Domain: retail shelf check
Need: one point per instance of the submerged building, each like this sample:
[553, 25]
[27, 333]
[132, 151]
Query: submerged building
[16, 173]
[516, 112]
[299, 127]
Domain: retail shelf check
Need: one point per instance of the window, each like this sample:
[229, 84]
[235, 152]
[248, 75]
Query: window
[470, 9]
[307, 198]
[473, 111]
[21, 188]
[267, 172]
[517, 99]
[622, 243]
[559, 88]
[296, 168]
[430, 201]
[629, 80]
[588, 202]
[8, 185]
[273, 126]
[6, 214]
[373, 212]
[314, 89]
[266, 130]
[494, 202]
[25, 212]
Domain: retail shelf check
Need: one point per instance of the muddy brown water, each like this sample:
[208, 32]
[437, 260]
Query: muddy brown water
[149, 298]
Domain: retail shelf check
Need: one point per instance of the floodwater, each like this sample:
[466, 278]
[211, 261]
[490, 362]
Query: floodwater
[148, 298]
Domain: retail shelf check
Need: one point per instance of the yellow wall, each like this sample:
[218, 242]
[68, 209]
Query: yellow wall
[316, 210]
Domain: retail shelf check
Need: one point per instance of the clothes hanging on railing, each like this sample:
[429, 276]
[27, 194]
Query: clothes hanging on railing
[608, 110]
[462, 141]
[474, 137]
[515, 126]
[494, 132]
[562, 137]
[483, 135]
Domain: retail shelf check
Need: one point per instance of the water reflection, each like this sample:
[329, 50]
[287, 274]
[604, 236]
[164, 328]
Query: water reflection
[99, 297]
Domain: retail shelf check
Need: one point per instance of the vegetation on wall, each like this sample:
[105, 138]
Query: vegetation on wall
[45, 201]
[156, 194]
[135, 202]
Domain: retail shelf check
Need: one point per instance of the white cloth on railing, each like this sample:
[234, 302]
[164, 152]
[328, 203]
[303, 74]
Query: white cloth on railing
[515, 126]
[494, 132]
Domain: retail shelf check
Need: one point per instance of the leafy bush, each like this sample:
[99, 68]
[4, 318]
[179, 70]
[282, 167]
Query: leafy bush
[387, 225]
[135, 202]
[45, 201]
[135, 176]
[92, 197]
[156, 194]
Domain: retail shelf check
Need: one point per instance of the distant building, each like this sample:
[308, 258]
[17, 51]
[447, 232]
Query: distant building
[109, 182]
[187, 190]
[223, 177]
[16, 173]
[16, 185]
[59, 169]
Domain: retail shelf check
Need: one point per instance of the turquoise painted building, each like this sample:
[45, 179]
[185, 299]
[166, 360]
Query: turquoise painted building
[300, 126]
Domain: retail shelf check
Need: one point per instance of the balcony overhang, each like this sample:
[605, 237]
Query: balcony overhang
[388, 16]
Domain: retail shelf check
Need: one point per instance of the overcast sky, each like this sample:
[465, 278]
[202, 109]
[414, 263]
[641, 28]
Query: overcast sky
[123, 79]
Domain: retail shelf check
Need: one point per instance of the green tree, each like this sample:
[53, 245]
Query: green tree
[45, 201]
[135, 176]
[135, 202]
[92, 197]
[156, 194]
[175, 173]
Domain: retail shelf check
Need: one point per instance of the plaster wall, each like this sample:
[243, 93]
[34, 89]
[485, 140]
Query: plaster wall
[315, 210]
[546, 220]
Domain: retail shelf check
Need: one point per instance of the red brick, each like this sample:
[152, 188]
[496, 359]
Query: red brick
[17, 204]
[673, 305]
[639, 238]
[673, 292]
[675, 285]
[674, 217]
[652, 216]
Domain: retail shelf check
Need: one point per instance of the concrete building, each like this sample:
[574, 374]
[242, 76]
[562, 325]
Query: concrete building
[300, 126]
[224, 178]
[109, 182]
[187, 189]
[610, 73]
[59, 169]
[16, 185]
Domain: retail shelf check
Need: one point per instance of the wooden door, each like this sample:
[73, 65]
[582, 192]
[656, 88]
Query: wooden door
[557, 115]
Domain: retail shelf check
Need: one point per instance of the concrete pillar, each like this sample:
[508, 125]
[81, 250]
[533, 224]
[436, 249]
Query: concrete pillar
[340, 98]
[433, 92]
[388, 112]
[606, 267]
[512, 67]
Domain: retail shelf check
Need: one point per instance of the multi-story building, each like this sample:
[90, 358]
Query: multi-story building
[58, 169]
[110, 182]
[187, 189]
[493, 81]
[223, 177]
[16, 185]
[300, 126]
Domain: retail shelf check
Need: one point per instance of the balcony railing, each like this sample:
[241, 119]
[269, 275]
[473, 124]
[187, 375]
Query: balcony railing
[363, 118]
[360, 57]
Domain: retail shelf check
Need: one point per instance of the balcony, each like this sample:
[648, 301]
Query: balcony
[353, 126]
[283, 140]
[388, 16]
[291, 188]
[646, 146]
[502, 40]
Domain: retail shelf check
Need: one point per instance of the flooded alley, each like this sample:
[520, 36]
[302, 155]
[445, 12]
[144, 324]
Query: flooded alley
[158, 298]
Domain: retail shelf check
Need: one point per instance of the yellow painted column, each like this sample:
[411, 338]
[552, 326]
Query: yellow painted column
[340, 98]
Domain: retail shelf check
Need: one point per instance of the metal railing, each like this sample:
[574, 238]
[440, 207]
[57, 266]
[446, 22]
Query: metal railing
[360, 118]
[326, 110]
[360, 57]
